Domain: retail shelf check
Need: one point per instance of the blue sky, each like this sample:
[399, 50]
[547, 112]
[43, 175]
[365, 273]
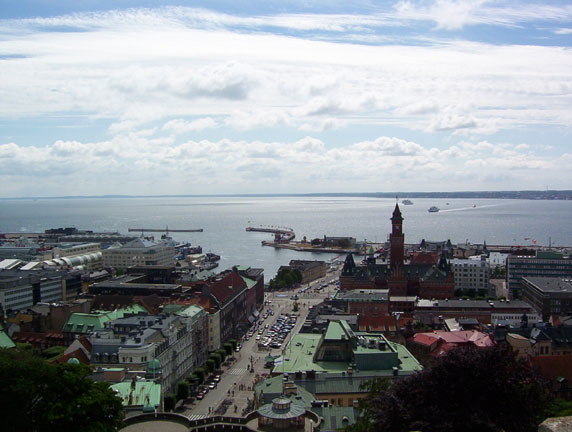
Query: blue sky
[150, 97]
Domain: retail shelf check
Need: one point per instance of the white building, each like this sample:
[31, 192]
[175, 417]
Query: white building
[472, 274]
[139, 252]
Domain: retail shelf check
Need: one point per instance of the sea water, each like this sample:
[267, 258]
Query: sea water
[224, 221]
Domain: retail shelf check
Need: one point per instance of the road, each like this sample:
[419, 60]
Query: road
[236, 381]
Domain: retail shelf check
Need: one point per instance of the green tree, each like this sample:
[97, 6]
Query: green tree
[468, 389]
[210, 365]
[222, 353]
[169, 402]
[297, 275]
[53, 352]
[201, 374]
[234, 343]
[559, 408]
[37, 396]
[228, 348]
[289, 279]
[183, 390]
[216, 358]
[374, 388]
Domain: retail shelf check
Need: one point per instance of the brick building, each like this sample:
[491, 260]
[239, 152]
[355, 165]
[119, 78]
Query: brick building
[421, 278]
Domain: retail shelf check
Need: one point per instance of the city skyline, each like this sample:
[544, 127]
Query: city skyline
[146, 98]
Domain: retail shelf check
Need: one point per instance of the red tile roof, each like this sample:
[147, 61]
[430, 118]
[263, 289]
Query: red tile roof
[78, 354]
[442, 341]
[228, 287]
[554, 366]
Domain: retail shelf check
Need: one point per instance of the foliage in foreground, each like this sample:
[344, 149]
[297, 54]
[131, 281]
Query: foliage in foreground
[37, 396]
[469, 389]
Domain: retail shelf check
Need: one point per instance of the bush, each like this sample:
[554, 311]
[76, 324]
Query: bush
[210, 365]
[228, 348]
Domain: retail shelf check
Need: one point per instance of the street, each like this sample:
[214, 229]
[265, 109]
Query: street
[236, 385]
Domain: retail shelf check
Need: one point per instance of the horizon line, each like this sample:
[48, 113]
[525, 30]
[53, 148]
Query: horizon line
[402, 194]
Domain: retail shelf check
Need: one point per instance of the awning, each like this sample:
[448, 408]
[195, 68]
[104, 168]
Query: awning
[250, 319]
[256, 313]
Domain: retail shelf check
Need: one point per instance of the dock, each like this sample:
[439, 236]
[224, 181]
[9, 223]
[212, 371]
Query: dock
[168, 230]
[281, 235]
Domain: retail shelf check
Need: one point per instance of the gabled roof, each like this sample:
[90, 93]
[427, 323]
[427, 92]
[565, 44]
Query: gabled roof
[77, 354]
[228, 287]
[463, 337]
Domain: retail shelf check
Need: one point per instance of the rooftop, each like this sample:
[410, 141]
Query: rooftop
[362, 295]
[551, 284]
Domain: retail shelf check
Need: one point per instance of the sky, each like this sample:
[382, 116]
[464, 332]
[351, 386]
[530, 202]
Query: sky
[231, 97]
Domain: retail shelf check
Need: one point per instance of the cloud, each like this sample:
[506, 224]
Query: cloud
[180, 126]
[141, 164]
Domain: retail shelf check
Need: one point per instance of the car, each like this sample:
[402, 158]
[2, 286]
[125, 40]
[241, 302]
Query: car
[258, 337]
[212, 386]
[216, 378]
[200, 396]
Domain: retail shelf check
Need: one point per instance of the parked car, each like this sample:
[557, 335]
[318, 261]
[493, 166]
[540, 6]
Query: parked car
[216, 378]
[200, 396]
[212, 386]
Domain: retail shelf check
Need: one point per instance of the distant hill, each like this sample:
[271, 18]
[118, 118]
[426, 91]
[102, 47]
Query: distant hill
[526, 194]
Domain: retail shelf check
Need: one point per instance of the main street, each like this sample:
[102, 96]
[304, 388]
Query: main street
[237, 383]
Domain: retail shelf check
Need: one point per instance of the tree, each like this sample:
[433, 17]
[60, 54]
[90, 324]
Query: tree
[201, 373]
[228, 348]
[183, 390]
[559, 408]
[297, 275]
[234, 343]
[222, 353]
[469, 389]
[217, 359]
[210, 365]
[38, 396]
[169, 402]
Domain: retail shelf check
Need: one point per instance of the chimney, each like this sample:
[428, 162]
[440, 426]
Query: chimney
[395, 371]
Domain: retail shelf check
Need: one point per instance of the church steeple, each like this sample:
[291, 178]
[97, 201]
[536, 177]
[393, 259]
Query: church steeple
[396, 239]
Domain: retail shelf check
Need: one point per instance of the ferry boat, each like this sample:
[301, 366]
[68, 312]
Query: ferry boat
[407, 202]
[433, 209]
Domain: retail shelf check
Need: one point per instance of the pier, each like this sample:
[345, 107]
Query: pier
[167, 230]
[281, 235]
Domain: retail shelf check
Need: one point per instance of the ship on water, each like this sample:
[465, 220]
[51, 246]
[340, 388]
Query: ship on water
[407, 202]
[433, 209]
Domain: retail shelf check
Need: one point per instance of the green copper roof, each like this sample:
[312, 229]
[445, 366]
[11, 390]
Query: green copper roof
[73, 360]
[154, 366]
[191, 311]
[5, 341]
[173, 308]
[144, 393]
[249, 282]
[298, 356]
[336, 418]
[84, 323]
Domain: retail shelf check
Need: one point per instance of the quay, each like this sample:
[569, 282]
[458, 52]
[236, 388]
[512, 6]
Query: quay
[168, 230]
[281, 235]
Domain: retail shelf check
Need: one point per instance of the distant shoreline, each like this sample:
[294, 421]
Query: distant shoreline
[525, 194]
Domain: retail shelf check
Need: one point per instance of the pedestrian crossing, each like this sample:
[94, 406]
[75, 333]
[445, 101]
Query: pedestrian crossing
[237, 371]
[197, 416]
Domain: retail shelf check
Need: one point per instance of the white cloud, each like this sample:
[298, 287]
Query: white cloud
[153, 75]
[180, 126]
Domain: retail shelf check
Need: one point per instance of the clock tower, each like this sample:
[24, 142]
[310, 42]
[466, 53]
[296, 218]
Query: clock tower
[396, 239]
